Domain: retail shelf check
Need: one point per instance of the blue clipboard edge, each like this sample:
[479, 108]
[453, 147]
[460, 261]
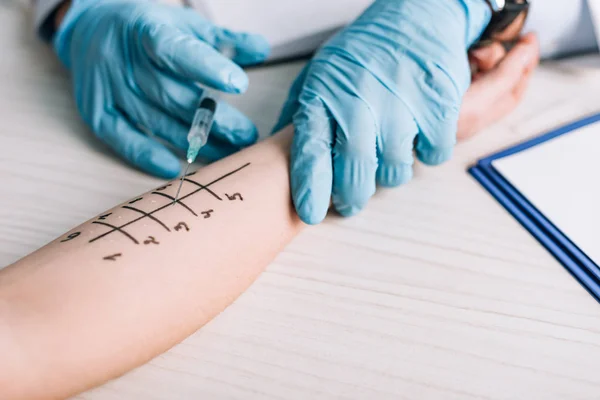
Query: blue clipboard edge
[566, 252]
[544, 223]
[539, 139]
[584, 277]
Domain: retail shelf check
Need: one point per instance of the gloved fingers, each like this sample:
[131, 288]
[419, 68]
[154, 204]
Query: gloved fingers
[180, 100]
[149, 119]
[174, 132]
[292, 103]
[173, 96]
[248, 48]
[438, 149]
[189, 58]
[135, 147]
[395, 145]
[152, 119]
[311, 164]
[354, 158]
[233, 127]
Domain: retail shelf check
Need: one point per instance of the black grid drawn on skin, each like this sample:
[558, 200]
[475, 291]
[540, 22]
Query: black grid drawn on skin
[116, 228]
[152, 217]
[181, 203]
[204, 187]
[150, 214]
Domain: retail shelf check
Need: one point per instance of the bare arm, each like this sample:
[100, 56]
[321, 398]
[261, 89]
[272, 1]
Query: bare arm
[129, 284]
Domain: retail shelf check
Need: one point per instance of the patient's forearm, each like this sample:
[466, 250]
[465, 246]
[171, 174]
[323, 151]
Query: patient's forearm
[129, 284]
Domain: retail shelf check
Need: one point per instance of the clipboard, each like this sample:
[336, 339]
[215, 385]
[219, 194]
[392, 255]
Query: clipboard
[575, 261]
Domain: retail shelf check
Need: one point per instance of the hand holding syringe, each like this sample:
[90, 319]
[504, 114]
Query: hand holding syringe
[202, 123]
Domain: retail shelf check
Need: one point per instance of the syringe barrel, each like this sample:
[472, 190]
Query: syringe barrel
[203, 119]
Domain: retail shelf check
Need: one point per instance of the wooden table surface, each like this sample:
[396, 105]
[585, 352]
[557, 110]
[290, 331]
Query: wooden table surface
[433, 292]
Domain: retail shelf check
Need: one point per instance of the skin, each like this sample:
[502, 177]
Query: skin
[71, 319]
[74, 314]
[499, 85]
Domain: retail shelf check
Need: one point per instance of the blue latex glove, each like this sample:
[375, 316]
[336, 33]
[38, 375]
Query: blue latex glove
[135, 67]
[397, 73]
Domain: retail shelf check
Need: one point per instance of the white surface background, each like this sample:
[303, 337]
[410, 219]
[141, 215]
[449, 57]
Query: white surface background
[433, 292]
[290, 27]
[561, 179]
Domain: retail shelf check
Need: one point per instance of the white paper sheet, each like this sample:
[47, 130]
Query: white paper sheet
[561, 178]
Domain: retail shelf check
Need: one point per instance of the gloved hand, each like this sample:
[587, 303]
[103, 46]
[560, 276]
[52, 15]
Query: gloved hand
[397, 73]
[135, 67]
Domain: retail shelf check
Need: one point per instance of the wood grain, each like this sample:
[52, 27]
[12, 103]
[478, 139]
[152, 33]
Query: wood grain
[432, 292]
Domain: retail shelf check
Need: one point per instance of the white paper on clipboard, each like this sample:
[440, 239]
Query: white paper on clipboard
[561, 178]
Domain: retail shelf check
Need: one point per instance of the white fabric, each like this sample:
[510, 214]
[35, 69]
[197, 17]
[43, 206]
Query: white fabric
[563, 26]
[295, 27]
[291, 27]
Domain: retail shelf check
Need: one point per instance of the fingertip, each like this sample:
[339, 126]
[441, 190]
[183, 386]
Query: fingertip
[246, 137]
[434, 156]
[237, 81]
[310, 194]
[307, 212]
[233, 127]
[190, 58]
[435, 145]
[354, 184]
[394, 175]
[249, 48]
[252, 49]
[311, 186]
[346, 210]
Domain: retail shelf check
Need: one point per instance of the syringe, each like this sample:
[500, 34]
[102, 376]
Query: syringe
[198, 135]
[203, 120]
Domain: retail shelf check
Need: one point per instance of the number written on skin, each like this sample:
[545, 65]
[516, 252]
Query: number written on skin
[180, 226]
[234, 197]
[71, 237]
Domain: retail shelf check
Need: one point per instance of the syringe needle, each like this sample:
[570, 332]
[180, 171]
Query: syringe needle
[181, 183]
[198, 135]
